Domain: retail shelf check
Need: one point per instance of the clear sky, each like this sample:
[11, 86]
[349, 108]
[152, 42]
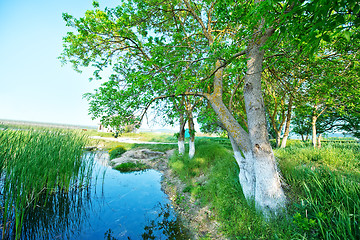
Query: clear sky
[33, 84]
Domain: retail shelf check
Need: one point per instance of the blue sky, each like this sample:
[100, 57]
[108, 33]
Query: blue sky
[33, 84]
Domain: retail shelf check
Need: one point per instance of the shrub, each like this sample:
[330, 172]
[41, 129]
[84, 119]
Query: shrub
[116, 152]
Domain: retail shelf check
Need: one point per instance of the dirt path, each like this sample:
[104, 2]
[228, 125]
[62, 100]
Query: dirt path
[127, 140]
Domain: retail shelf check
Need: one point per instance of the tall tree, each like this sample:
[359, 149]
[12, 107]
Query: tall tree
[193, 43]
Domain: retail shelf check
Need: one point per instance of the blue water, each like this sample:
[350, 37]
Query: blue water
[116, 206]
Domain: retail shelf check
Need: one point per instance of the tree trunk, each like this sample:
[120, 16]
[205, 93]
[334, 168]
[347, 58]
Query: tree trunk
[181, 138]
[278, 138]
[313, 125]
[258, 176]
[268, 192]
[319, 141]
[192, 135]
[287, 125]
[242, 143]
[246, 174]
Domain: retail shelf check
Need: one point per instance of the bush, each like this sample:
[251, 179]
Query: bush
[116, 152]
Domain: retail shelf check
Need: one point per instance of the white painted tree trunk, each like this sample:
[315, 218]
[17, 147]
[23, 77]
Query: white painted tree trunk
[263, 182]
[181, 138]
[191, 148]
[192, 134]
[288, 121]
[319, 141]
[246, 174]
[313, 125]
[278, 138]
[181, 147]
[284, 141]
[269, 195]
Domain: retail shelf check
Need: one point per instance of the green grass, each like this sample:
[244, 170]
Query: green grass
[212, 179]
[322, 186]
[324, 190]
[38, 162]
[131, 167]
[116, 151]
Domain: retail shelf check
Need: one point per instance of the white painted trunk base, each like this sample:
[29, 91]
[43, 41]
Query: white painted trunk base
[246, 174]
[269, 195]
[283, 143]
[191, 149]
[181, 146]
[260, 180]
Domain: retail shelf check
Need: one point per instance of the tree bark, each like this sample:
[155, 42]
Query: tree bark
[278, 138]
[238, 135]
[259, 176]
[287, 125]
[181, 138]
[268, 192]
[319, 141]
[313, 126]
[246, 174]
[192, 135]
[260, 161]
[269, 196]
[276, 128]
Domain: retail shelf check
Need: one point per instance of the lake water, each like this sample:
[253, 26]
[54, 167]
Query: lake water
[117, 206]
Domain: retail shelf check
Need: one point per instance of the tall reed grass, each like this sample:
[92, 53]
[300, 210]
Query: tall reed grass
[324, 190]
[34, 164]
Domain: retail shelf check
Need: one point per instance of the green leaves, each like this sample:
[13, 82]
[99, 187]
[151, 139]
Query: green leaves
[95, 4]
[347, 35]
[158, 48]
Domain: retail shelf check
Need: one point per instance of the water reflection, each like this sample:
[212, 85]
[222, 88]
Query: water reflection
[166, 223]
[116, 206]
[165, 226]
[58, 216]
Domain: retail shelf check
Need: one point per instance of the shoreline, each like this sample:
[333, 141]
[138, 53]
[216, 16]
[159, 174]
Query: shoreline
[198, 220]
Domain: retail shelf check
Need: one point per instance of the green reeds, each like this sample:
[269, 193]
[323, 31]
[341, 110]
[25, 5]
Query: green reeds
[34, 163]
[324, 189]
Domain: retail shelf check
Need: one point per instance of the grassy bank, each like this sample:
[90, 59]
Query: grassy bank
[322, 186]
[35, 164]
